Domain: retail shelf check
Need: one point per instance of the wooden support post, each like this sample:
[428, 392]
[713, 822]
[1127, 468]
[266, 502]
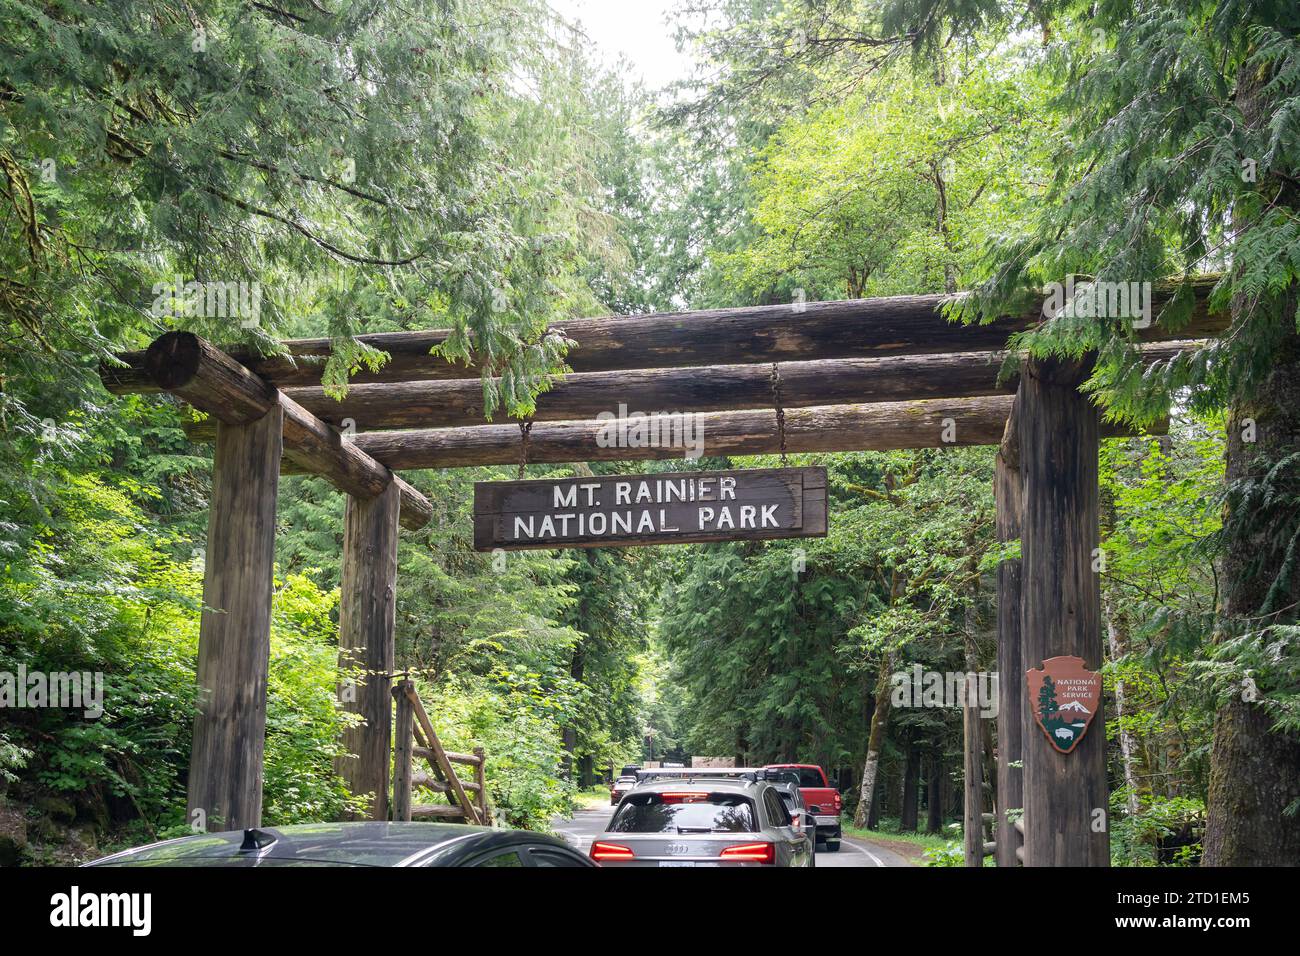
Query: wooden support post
[403, 753]
[1066, 799]
[480, 779]
[225, 783]
[366, 611]
[1011, 690]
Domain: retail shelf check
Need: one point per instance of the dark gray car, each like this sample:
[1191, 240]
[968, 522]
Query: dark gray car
[697, 820]
[357, 844]
[801, 818]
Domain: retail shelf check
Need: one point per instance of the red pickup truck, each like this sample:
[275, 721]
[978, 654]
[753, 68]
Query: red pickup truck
[821, 799]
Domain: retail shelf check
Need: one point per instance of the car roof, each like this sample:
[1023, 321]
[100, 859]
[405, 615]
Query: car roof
[360, 843]
[703, 782]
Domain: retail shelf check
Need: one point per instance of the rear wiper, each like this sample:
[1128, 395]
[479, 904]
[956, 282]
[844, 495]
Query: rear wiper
[696, 830]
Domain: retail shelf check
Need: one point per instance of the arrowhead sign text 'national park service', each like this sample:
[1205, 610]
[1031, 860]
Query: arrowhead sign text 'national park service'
[1063, 697]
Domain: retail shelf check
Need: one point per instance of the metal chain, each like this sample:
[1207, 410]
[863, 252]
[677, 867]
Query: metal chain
[780, 409]
[525, 429]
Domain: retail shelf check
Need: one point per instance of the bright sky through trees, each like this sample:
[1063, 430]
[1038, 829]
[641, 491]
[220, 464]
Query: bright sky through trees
[639, 31]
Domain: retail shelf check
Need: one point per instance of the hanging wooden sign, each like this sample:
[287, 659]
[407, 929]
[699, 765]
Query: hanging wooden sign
[617, 511]
[1064, 696]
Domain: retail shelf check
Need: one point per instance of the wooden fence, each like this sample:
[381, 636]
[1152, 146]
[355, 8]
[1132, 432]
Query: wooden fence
[415, 737]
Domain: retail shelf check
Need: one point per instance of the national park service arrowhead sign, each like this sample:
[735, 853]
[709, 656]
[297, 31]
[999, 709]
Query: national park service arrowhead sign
[1064, 696]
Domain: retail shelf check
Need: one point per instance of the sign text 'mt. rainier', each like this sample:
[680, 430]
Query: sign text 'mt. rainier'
[670, 508]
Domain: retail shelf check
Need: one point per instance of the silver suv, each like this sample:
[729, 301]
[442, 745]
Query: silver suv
[698, 820]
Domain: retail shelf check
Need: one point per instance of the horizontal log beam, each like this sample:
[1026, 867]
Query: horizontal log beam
[856, 328]
[835, 428]
[379, 407]
[207, 378]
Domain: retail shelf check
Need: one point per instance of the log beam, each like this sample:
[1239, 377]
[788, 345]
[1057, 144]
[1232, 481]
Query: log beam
[207, 378]
[407, 405]
[972, 421]
[1066, 802]
[856, 328]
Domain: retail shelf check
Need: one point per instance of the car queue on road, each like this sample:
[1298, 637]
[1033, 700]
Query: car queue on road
[662, 817]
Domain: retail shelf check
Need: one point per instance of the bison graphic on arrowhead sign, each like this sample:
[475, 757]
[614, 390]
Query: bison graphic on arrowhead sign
[1064, 696]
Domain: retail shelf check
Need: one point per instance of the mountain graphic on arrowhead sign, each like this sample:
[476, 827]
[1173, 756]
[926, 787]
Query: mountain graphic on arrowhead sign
[1063, 678]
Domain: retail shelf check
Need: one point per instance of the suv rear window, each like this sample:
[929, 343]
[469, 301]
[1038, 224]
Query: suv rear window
[698, 813]
[809, 776]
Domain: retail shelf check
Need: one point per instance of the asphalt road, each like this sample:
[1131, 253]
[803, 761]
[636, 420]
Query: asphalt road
[584, 826]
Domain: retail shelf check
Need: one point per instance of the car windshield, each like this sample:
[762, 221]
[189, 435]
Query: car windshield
[696, 812]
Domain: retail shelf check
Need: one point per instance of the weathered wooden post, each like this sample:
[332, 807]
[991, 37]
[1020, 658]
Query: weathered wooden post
[225, 783]
[403, 752]
[1066, 799]
[256, 424]
[1011, 689]
[480, 779]
[366, 615]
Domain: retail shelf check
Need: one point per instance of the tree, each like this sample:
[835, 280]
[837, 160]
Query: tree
[1047, 706]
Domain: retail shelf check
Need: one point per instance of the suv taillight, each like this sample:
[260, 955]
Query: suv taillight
[611, 851]
[750, 853]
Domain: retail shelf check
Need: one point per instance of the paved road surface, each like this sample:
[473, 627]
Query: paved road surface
[587, 823]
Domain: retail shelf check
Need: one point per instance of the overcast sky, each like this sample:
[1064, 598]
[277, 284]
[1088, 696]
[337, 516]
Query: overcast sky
[635, 28]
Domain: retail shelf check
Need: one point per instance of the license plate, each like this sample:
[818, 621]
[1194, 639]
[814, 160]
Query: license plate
[686, 863]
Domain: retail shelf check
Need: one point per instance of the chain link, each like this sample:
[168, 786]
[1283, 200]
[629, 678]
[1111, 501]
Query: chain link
[525, 430]
[780, 409]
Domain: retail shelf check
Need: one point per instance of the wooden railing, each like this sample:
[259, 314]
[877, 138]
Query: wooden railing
[415, 737]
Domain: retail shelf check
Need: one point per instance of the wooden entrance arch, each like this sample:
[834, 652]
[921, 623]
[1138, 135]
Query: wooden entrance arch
[870, 374]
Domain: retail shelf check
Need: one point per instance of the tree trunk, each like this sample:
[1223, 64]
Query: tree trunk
[873, 818]
[972, 743]
[911, 789]
[1255, 771]
[1010, 782]
[879, 721]
[1117, 647]
[934, 783]
[1117, 644]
